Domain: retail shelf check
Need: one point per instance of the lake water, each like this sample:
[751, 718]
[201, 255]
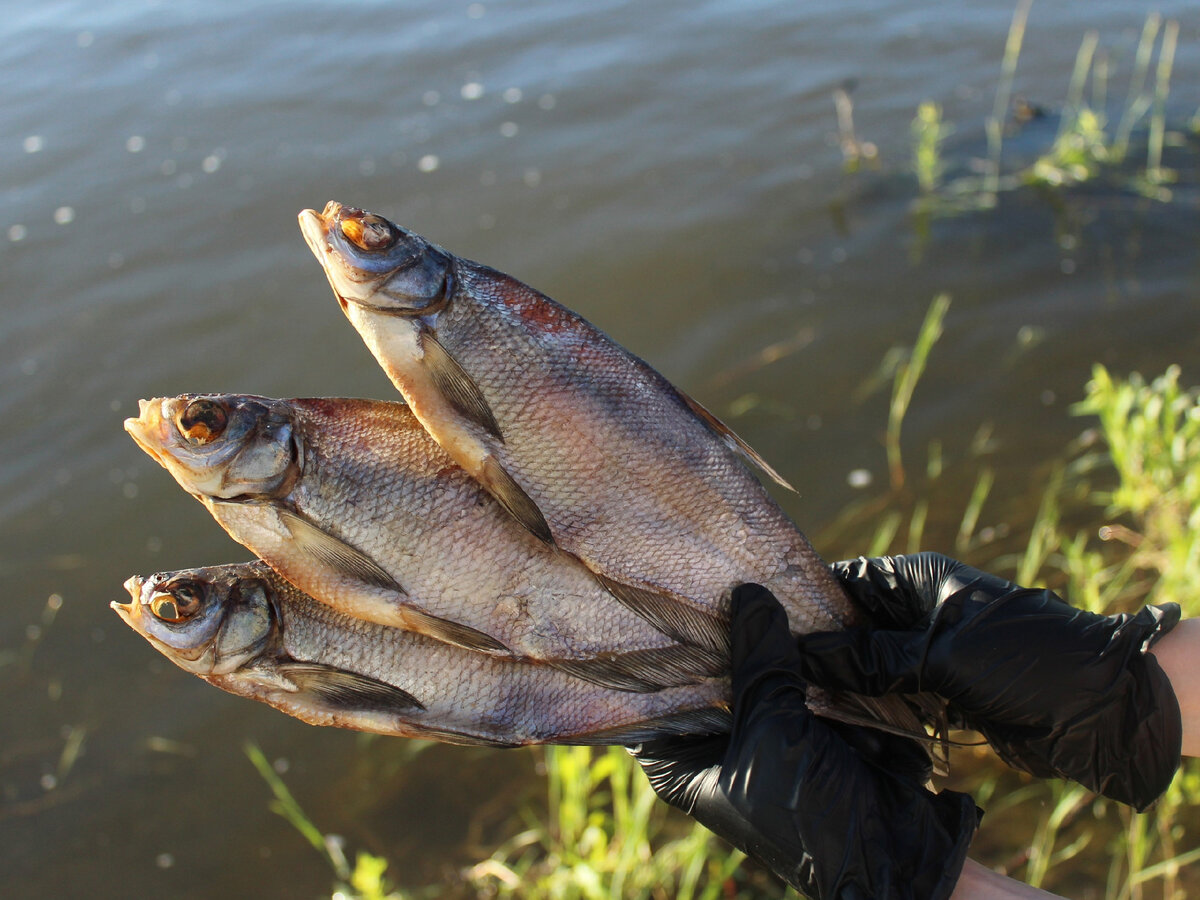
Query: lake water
[670, 170]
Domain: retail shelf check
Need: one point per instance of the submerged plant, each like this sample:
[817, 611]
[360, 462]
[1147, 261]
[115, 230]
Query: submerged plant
[928, 131]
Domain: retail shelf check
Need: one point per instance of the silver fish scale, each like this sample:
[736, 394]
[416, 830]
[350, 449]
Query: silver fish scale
[571, 403]
[501, 700]
[374, 478]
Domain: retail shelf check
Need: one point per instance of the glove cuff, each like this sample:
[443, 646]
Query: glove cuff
[930, 848]
[960, 816]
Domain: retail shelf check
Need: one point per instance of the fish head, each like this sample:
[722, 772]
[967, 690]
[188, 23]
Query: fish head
[221, 446]
[375, 263]
[208, 621]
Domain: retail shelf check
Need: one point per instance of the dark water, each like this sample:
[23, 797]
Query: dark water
[670, 170]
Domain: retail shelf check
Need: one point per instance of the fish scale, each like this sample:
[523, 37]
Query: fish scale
[254, 635]
[358, 507]
[695, 534]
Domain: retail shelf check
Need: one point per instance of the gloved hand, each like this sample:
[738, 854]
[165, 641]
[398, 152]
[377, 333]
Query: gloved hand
[1056, 691]
[786, 788]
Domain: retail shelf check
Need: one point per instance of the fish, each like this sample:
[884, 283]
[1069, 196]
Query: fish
[584, 444]
[244, 629]
[357, 506]
[587, 446]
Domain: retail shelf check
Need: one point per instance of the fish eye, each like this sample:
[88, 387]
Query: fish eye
[178, 606]
[369, 232]
[203, 421]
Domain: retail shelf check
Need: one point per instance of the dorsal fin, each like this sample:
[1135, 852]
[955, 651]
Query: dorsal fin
[735, 443]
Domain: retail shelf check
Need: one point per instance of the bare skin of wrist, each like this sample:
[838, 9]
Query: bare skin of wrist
[978, 882]
[1179, 655]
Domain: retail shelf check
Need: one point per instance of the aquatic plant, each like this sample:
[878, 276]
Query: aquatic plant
[1133, 479]
[928, 132]
[1083, 149]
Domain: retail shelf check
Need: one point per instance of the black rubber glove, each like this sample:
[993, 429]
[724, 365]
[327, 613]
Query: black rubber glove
[1056, 691]
[788, 790]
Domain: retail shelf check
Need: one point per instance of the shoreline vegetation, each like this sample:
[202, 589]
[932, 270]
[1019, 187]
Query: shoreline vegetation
[1117, 526]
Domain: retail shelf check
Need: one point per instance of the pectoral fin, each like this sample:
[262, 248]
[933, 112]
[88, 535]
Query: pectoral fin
[344, 691]
[672, 617]
[453, 633]
[456, 386]
[334, 553]
[514, 499]
[725, 433]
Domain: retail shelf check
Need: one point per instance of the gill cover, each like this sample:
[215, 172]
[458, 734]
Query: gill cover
[231, 447]
[375, 263]
[203, 620]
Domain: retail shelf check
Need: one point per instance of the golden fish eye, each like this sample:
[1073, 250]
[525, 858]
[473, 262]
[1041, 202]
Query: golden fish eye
[177, 607]
[202, 421]
[369, 232]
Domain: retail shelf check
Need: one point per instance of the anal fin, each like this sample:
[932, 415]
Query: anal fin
[672, 617]
[513, 498]
[458, 738]
[456, 386]
[730, 437]
[335, 553]
[646, 671]
[345, 691]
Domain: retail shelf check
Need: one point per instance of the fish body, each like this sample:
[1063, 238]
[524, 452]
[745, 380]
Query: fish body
[246, 630]
[353, 503]
[585, 444]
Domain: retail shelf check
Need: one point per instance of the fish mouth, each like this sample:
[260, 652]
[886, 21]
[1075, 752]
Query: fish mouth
[148, 430]
[130, 611]
[315, 228]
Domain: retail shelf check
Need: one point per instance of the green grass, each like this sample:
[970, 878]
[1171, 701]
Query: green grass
[606, 837]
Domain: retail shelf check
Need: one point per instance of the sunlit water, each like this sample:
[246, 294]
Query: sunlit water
[671, 171]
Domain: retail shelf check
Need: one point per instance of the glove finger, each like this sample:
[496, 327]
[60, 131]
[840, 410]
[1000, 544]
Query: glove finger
[862, 660]
[764, 656]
